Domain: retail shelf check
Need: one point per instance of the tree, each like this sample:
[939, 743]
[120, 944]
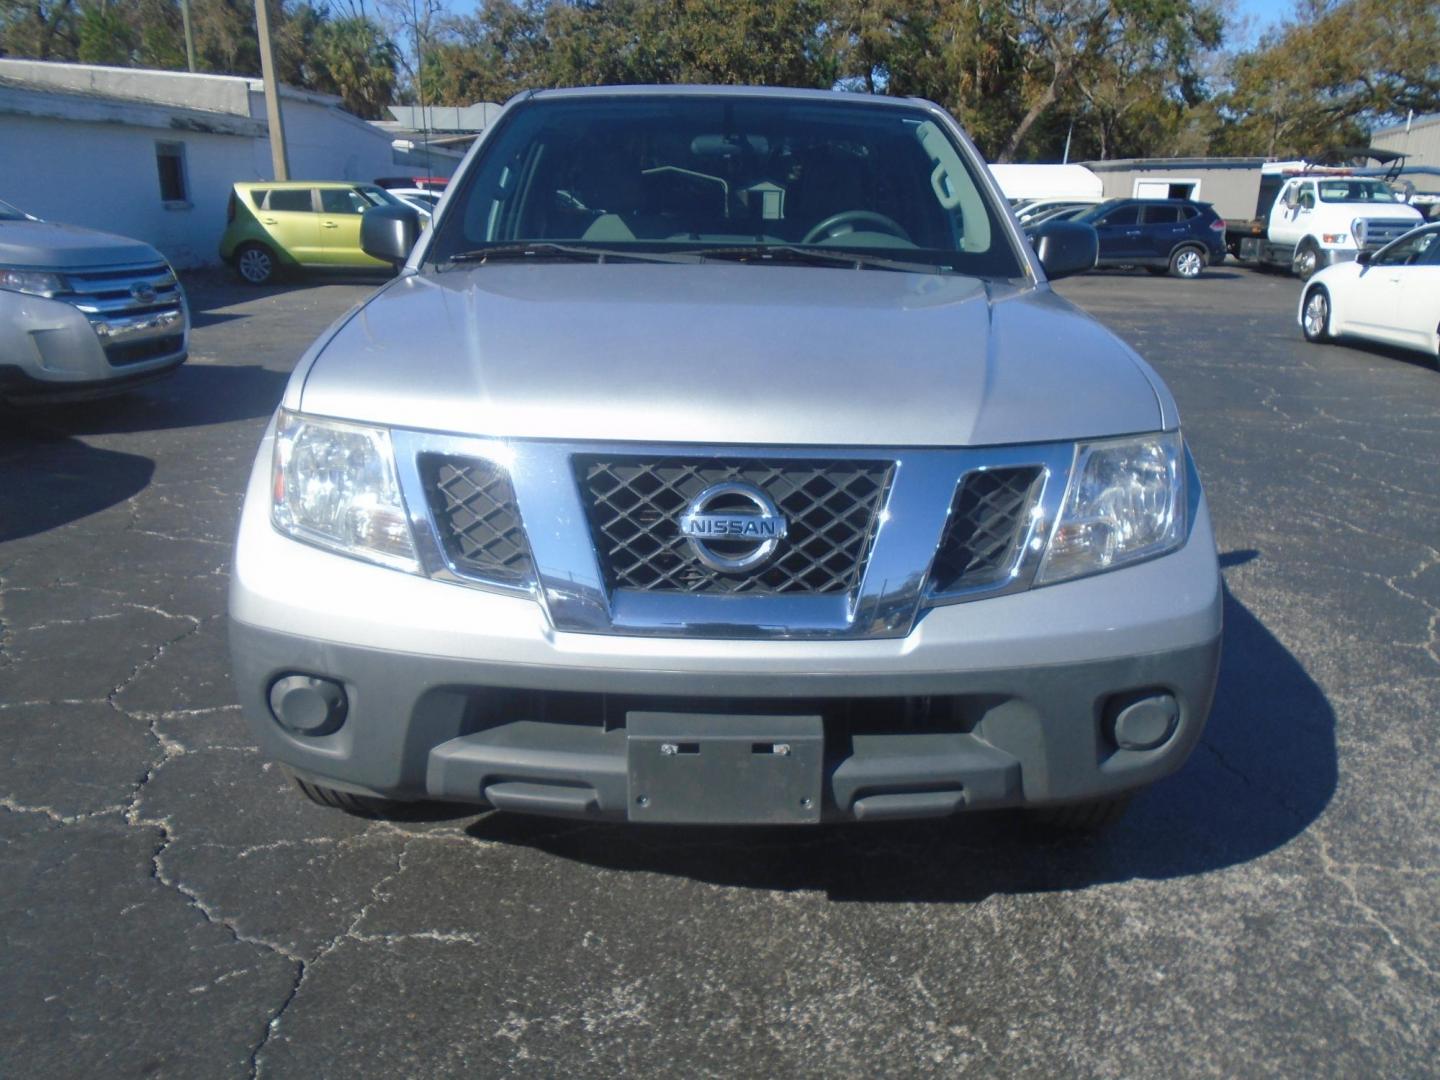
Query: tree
[1339, 69]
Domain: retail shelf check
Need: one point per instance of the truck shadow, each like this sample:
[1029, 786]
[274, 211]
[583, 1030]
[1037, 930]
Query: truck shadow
[48, 480]
[1264, 771]
[196, 395]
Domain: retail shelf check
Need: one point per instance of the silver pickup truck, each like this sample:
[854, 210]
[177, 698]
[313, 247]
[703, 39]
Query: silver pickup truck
[724, 456]
[83, 313]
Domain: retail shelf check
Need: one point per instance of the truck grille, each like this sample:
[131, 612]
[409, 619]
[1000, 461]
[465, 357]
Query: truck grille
[1380, 232]
[985, 528]
[634, 505]
[477, 519]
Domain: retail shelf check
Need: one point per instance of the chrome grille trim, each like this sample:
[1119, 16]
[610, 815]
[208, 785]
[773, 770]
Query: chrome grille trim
[988, 527]
[890, 596]
[1381, 231]
[476, 518]
[635, 503]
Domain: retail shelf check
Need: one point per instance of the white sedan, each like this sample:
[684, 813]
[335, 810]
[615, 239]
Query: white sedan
[1391, 296]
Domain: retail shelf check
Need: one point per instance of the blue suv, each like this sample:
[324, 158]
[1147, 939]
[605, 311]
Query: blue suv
[1178, 236]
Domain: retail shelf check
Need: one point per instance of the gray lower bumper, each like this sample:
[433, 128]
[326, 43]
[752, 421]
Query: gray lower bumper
[553, 740]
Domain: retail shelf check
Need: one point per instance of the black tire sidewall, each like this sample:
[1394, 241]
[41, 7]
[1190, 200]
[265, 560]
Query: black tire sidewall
[255, 245]
[1175, 261]
[1324, 334]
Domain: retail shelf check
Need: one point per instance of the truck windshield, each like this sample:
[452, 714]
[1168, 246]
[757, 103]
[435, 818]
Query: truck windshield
[727, 175]
[1356, 191]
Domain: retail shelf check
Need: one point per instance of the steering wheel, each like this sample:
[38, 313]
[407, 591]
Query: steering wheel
[832, 226]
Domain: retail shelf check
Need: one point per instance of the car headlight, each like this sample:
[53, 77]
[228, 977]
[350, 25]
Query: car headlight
[34, 282]
[334, 485]
[1125, 502]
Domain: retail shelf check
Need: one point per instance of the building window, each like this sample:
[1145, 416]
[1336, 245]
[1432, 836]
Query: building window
[170, 160]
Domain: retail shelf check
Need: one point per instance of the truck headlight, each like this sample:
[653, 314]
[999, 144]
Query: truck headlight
[34, 282]
[334, 485]
[1359, 229]
[1125, 502]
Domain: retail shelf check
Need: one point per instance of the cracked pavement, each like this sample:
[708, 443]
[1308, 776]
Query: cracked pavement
[171, 908]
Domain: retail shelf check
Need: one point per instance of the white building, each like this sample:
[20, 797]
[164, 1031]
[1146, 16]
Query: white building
[152, 154]
[1419, 137]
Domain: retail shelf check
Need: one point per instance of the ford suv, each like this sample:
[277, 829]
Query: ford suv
[724, 456]
[83, 314]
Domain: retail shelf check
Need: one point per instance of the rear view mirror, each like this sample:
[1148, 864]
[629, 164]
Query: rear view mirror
[389, 233]
[1066, 247]
[1292, 198]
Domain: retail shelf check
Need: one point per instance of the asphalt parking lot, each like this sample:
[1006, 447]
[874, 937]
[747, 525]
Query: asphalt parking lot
[168, 907]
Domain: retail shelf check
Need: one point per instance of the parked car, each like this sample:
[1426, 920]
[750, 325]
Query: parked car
[422, 198]
[1392, 296]
[713, 460]
[83, 314]
[1179, 236]
[1054, 213]
[1028, 212]
[272, 227]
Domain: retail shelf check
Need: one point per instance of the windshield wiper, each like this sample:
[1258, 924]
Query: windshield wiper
[789, 253]
[548, 249]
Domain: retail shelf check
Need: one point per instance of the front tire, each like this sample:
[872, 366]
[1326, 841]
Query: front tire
[1187, 262]
[1087, 817]
[256, 264]
[1315, 316]
[365, 806]
[1306, 261]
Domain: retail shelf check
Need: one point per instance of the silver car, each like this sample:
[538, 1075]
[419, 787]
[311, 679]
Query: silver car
[83, 313]
[724, 456]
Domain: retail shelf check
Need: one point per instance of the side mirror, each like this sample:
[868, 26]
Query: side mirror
[1066, 247]
[389, 233]
[1363, 258]
[1292, 198]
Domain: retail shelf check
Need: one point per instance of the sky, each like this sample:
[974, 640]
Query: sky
[1260, 16]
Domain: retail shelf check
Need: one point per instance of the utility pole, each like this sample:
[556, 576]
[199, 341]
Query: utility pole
[189, 38]
[272, 94]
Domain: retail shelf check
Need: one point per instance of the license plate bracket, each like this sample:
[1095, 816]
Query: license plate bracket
[724, 769]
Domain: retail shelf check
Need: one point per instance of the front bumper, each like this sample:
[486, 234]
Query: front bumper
[51, 350]
[463, 695]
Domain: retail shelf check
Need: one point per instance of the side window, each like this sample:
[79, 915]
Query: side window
[1121, 215]
[1307, 197]
[170, 162]
[1416, 251]
[289, 200]
[1189, 213]
[1161, 214]
[348, 201]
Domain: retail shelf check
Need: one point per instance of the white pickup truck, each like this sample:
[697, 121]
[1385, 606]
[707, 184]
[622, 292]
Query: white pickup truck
[1312, 220]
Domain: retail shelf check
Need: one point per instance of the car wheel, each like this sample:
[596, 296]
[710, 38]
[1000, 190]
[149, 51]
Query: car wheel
[366, 806]
[1093, 816]
[1315, 316]
[255, 263]
[1188, 262]
[1306, 261]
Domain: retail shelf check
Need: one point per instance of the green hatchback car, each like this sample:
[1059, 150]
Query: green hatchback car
[274, 226]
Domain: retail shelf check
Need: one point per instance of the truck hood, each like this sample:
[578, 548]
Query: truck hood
[45, 245]
[730, 354]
